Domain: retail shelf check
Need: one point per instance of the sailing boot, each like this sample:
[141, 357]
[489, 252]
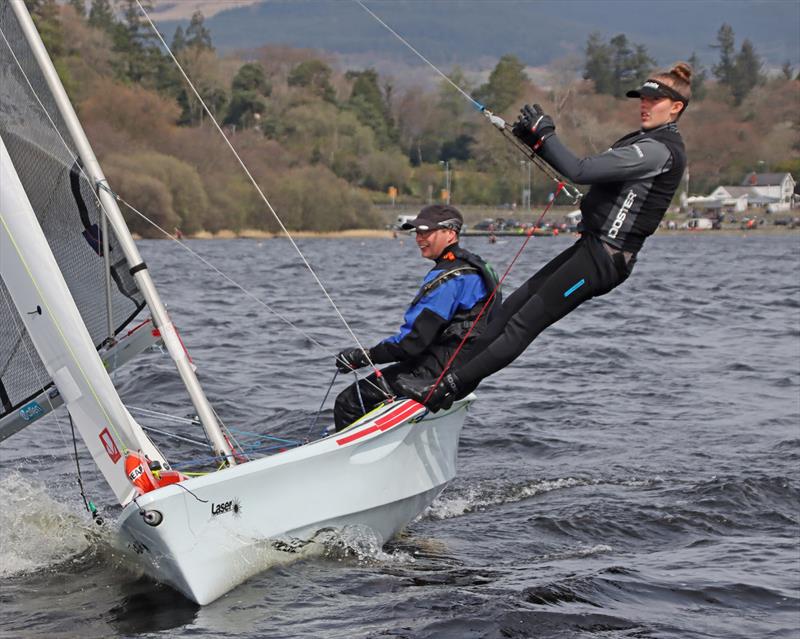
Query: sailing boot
[442, 395]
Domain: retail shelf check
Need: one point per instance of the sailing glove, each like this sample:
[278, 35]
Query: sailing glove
[533, 126]
[351, 359]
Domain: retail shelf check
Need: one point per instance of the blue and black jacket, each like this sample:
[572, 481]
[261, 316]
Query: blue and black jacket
[450, 298]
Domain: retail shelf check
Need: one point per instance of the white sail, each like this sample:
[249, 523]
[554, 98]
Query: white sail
[51, 318]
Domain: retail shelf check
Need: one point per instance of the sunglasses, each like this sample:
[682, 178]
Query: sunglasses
[453, 224]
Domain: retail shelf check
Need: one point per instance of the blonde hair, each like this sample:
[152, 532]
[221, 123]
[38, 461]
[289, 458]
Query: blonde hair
[679, 78]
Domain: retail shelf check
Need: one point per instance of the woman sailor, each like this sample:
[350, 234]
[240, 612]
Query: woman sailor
[632, 184]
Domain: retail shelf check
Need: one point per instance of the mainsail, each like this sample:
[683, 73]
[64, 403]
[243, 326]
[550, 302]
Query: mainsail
[44, 155]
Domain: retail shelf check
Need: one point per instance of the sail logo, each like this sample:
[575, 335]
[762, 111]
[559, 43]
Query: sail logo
[110, 445]
[230, 506]
[31, 412]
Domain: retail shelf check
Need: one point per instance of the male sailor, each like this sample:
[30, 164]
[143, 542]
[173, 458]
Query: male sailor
[440, 315]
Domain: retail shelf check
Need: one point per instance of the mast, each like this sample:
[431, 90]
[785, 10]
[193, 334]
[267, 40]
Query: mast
[138, 268]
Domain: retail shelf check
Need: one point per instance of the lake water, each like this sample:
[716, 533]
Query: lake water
[636, 473]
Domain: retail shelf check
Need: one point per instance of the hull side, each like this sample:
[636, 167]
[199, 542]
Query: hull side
[218, 535]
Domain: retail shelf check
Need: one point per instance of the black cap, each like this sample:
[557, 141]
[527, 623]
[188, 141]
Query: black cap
[436, 216]
[655, 89]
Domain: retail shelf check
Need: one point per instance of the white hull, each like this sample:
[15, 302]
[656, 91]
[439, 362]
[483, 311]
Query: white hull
[380, 473]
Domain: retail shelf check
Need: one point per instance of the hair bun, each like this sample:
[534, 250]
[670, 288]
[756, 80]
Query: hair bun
[682, 71]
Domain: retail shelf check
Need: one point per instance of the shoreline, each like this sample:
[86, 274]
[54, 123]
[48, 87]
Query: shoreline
[255, 234]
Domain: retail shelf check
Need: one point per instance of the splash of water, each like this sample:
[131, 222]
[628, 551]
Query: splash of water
[37, 531]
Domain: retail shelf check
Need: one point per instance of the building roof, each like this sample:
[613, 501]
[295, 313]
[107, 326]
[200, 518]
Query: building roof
[764, 179]
[736, 191]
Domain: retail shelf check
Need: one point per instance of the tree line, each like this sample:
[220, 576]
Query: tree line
[325, 144]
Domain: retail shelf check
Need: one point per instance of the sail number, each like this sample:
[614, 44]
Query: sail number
[31, 412]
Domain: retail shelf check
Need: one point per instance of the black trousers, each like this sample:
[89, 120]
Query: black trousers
[361, 397]
[583, 271]
[348, 407]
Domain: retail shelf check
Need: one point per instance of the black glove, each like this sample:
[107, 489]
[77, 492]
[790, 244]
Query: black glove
[442, 397]
[351, 359]
[533, 126]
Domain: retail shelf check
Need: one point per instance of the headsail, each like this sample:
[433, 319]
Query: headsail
[44, 304]
[40, 147]
[14, 17]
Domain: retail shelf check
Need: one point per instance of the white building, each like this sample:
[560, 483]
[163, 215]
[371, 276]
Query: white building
[779, 186]
[731, 197]
[772, 190]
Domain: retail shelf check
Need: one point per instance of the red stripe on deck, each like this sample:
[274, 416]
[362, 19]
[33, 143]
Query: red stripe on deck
[393, 418]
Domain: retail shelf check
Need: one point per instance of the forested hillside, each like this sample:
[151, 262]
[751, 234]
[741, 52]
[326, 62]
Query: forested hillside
[325, 143]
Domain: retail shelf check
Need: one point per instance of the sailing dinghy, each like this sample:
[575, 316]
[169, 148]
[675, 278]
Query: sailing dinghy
[71, 283]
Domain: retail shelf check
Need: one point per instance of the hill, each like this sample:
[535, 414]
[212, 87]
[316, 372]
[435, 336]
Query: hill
[475, 34]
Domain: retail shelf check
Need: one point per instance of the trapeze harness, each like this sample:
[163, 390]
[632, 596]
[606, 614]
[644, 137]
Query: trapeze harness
[632, 185]
[433, 329]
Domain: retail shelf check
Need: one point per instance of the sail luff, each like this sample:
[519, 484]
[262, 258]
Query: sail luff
[131, 252]
[52, 320]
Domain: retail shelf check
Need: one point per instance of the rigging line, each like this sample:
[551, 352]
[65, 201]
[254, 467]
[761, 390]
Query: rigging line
[322, 404]
[86, 501]
[496, 121]
[172, 435]
[253, 182]
[73, 156]
[217, 270]
[164, 416]
[477, 104]
[228, 278]
[491, 297]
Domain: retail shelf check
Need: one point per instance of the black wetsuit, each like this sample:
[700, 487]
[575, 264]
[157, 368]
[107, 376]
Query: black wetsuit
[440, 315]
[632, 185]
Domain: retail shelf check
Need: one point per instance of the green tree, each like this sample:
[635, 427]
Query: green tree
[786, 70]
[747, 72]
[79, 6]
[641, 64]
[101, 16]
[598, 67]
[630, 66]
[140, 58]
[45, 15]
[248, 89]
[251, 77]
[699, 75]
[368, 103]
[505, 84]
[459, 148]
[725, 70]
[178, 41]
[314, 75]
[197, 35]
[451, 102]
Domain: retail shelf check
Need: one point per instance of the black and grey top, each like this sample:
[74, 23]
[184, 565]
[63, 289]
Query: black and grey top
[632, 183]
